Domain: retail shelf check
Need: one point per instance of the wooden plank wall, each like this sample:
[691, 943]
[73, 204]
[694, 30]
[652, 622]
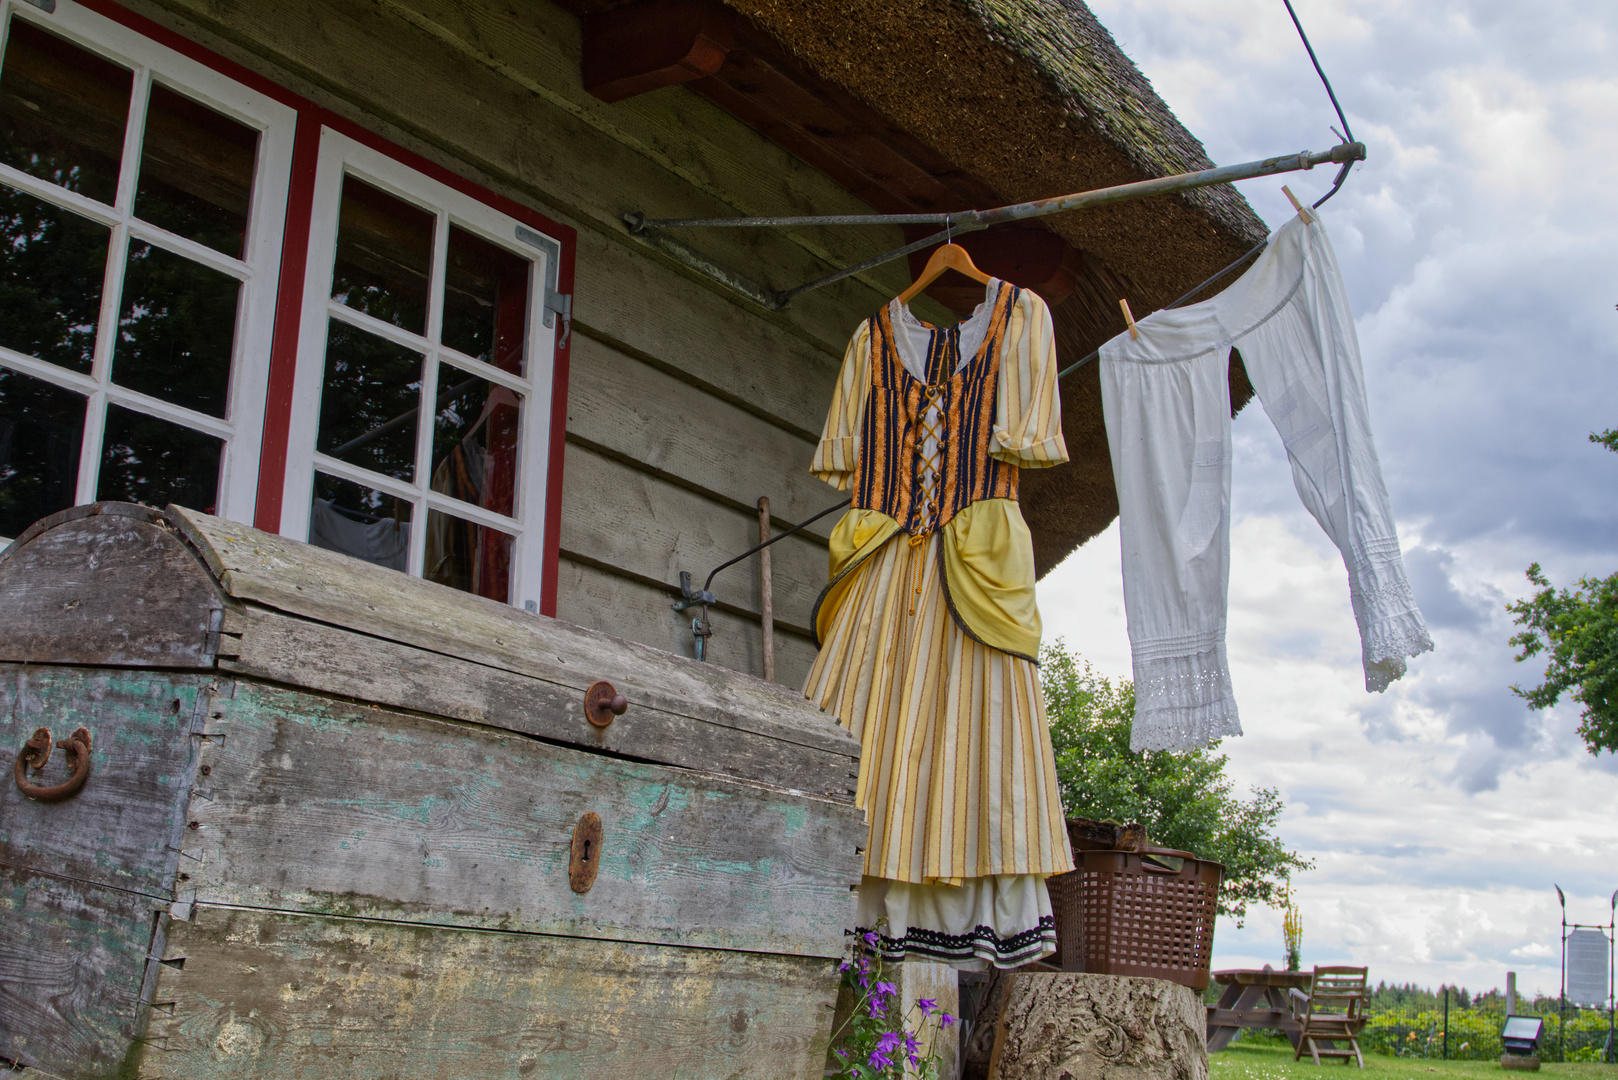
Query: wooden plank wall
[686, 404]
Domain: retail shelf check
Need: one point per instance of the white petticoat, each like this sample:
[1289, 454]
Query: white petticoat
[1004, 920]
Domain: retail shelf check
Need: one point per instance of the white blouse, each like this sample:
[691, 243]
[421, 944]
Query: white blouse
[1166, 400]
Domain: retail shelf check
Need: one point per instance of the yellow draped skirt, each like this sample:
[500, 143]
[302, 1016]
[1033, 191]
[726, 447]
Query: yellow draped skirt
[957, 776]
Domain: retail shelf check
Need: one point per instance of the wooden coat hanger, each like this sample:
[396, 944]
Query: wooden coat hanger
[951, 256]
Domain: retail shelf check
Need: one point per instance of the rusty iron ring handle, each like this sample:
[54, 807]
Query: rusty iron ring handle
[37, 750]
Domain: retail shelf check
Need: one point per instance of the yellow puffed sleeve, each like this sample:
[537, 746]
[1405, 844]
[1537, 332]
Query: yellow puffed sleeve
[1028, 409]
[838, 452]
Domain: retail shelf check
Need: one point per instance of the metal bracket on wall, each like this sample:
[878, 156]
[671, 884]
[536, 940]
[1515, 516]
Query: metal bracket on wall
[554, 303]
[965, 221]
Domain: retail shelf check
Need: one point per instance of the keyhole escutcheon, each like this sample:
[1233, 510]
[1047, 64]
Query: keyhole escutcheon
[586, 853]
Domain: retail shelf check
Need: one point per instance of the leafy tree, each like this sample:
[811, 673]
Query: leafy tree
[1579, 628]
[1185, 801]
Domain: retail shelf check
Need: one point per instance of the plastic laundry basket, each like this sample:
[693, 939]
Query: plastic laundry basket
[1133, 913]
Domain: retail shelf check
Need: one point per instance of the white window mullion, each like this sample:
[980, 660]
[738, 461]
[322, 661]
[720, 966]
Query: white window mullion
[376, 327]
[435, 287]
[95, 419]
[475, 514]
[139, 92]
[174, 414]
[197, 253]
[366, 478]
[486, 371]
[424, 460]
[56, 195]
[45, 371]
[429, 392]
[112, 287]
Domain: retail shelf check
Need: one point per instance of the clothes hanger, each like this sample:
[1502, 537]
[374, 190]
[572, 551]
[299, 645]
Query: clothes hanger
[951, 256]
[499, 395]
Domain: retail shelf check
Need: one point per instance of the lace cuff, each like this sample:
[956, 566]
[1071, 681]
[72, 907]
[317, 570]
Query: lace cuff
[1391, 626]
[1183, 699]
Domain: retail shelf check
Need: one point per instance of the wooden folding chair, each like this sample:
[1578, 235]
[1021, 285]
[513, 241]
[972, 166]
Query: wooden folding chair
[1331, 1013]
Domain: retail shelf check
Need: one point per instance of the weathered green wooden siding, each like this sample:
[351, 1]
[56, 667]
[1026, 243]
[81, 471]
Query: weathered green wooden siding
[709, 402]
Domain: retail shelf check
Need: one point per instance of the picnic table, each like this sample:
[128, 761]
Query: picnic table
[1254, 999]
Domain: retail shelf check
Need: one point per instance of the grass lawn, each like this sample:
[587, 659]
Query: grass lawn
[1255, 1061]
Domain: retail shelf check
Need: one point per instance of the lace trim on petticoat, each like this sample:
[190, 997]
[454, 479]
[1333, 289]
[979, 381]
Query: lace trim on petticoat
[1391, 626]
[980, 943]
[1183, 698]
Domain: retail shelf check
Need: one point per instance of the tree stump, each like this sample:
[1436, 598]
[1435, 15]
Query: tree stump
[1071, 1026]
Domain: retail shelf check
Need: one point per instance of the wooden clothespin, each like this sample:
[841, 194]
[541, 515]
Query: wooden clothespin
[1129, 318]
[1303, 211]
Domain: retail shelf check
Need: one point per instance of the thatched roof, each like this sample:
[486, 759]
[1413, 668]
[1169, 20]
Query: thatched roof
[1035, 98]
[957, 104]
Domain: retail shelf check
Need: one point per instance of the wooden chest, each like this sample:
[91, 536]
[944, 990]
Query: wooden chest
[337, 822]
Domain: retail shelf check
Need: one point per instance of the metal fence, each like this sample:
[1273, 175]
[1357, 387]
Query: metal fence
[1413, 1022]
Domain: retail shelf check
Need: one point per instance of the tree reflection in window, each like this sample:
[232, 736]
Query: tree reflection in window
[51, 266]
[41, 430]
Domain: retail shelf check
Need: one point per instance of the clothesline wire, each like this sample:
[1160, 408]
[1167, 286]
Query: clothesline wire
[1347, 131]
[1342, 174]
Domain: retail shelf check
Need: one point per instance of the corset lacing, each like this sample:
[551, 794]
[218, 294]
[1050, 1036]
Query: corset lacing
[930, 449]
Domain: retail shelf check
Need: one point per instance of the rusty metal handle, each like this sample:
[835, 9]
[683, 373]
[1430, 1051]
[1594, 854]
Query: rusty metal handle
[602, 703]
[37, 751]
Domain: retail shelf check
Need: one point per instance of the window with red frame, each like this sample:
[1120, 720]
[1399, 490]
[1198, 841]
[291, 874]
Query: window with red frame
[146, 316]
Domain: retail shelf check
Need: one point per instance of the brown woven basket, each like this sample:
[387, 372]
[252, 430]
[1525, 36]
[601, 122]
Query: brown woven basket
[1068, 907]
[1119, 915]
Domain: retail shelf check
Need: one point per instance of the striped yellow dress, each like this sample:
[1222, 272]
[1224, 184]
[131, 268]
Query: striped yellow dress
[929, 632]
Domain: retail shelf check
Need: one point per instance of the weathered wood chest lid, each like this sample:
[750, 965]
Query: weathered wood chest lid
[269, 607]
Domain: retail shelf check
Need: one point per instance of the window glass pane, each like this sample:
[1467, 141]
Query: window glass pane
[62, 112]
[475, 441]
[468, 557]
[485, 301]
[360, 521]
[196, 172]
[51, 265]
[384, 256]
[41, 428]
[176, 330]
[369, 402]
[151, 461]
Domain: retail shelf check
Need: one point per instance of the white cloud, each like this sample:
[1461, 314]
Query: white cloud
[1477, 245]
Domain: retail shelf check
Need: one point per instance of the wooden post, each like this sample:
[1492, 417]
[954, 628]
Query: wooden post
[1056, 1025]
[766, 608]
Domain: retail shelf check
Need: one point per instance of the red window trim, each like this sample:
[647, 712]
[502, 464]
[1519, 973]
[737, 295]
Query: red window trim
[294, 256]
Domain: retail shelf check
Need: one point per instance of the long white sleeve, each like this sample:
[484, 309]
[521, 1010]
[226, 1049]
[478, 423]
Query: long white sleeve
[1304, 361]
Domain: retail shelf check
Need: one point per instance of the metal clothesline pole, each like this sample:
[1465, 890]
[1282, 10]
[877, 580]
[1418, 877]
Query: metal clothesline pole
[965, 221]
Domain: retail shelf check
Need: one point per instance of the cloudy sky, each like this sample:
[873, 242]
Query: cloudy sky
[1479, 243]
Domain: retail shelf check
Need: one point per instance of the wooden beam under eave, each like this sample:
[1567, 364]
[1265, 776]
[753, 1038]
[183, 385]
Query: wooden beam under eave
[651, 44]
